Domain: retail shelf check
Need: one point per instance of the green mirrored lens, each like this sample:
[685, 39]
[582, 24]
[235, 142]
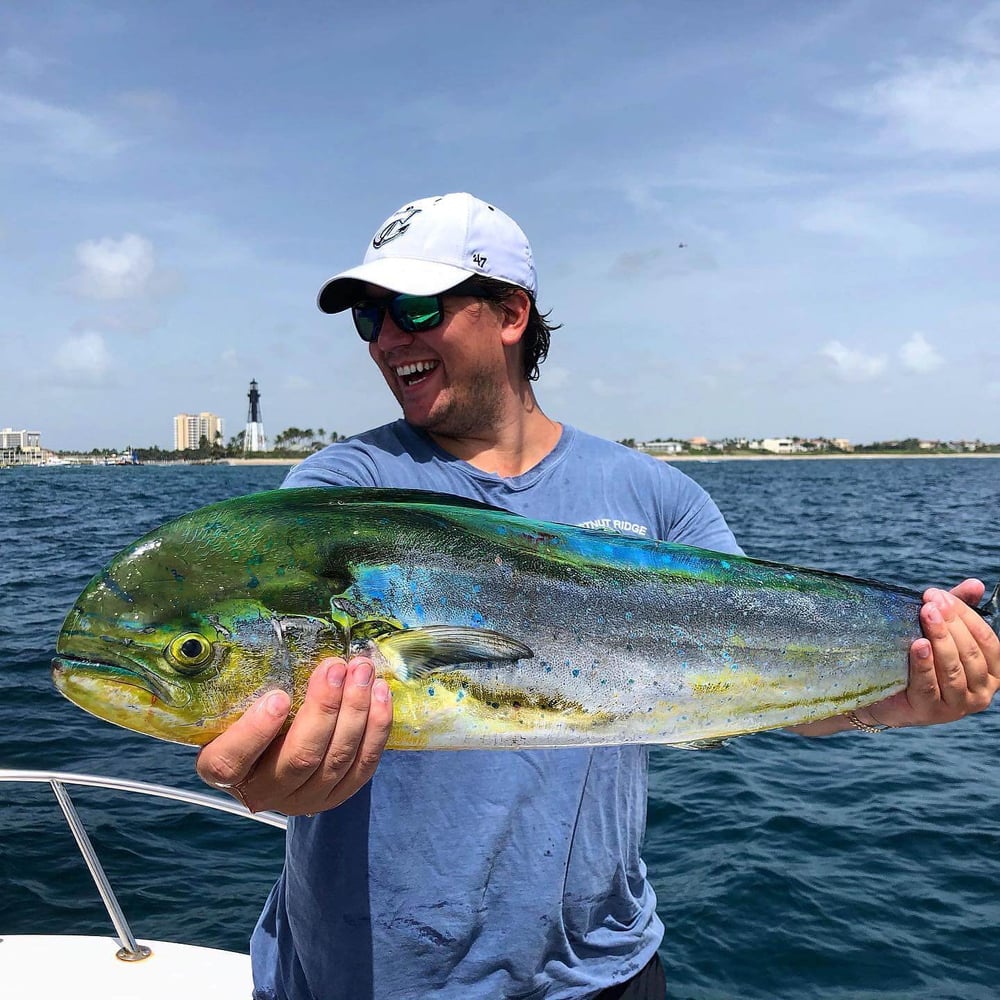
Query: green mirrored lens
[416, 312]
[368, 320]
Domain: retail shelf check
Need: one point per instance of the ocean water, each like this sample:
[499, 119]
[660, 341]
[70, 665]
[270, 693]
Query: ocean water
[847, 868]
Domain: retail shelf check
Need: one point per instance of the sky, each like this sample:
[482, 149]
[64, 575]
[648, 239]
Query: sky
[760, 219]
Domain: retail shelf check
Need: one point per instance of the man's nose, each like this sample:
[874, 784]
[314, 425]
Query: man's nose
[391, 336]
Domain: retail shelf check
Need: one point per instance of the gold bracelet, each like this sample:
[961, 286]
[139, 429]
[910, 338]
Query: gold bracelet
[863, 726]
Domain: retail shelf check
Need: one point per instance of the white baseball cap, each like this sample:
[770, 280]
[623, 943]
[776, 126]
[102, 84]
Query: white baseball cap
[434, 244]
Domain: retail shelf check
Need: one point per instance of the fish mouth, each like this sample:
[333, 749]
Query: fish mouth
[70, 672]
[128, 696]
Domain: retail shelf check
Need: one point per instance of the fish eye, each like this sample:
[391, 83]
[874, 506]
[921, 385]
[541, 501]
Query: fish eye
[190, 651]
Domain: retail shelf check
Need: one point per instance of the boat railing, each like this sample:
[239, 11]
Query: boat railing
[131, 950]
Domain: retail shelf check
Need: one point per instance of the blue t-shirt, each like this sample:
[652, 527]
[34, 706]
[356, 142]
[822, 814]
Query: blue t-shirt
[482, 874]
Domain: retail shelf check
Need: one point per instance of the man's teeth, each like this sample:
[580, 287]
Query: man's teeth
[415, 369]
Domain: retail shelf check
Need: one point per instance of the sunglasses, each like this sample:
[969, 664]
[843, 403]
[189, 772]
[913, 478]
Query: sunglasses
[411, 313]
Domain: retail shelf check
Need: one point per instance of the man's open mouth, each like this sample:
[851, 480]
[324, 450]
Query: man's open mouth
[415, 372]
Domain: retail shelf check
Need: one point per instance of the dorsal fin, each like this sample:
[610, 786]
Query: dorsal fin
[380, 494]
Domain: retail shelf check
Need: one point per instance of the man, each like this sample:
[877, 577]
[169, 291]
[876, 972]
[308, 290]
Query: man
[480, 874]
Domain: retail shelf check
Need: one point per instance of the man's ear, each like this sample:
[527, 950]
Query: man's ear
[515, 311]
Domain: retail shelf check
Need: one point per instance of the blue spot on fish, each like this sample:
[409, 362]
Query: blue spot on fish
[576, 671]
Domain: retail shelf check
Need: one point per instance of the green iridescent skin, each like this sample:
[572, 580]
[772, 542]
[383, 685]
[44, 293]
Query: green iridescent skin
[493, 630]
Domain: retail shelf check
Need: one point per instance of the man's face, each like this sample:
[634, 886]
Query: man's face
[451, 380]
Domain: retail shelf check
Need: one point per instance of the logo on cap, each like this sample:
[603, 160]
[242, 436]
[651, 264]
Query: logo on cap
[479, 259]
[396, 227]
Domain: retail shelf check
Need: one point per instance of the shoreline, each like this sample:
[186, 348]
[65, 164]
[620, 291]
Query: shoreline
[863, 456]
[688, 457]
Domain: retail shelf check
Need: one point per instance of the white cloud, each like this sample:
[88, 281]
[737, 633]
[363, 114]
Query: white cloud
[58, 137]
[918, 355]
[945, 105]
[83, 358]
[857, 220]
[852, 365]
[115, 269]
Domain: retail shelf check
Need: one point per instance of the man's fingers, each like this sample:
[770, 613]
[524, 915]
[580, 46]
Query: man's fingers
[922, 688]
[939, 619]
[369, 753]
[229, 759]
[969, 591]
[980, 651]
[316, 726]
[354, 747]
[351, 724]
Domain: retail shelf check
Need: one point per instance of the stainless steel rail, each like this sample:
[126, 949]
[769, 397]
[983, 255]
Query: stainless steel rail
[131, 950]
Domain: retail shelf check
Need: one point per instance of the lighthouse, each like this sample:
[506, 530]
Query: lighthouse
[253, 436]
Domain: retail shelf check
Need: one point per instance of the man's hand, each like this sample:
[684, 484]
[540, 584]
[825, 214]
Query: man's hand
[954, 668]
[330, 750]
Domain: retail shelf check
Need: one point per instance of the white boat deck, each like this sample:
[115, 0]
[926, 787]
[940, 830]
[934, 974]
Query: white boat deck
[51, 967]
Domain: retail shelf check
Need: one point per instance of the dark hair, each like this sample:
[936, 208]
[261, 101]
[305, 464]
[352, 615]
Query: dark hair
[536, 334]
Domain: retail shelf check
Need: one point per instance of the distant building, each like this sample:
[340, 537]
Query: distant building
[662, 447]
[779, 446]
[20, 447]
[190, 428]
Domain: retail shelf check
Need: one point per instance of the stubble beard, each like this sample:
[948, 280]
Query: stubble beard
[469, 412]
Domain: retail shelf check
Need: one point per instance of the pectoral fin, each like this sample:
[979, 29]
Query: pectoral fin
[418, 652]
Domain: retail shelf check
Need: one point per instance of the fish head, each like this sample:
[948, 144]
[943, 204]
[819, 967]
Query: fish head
[184, 628]
[183, 679]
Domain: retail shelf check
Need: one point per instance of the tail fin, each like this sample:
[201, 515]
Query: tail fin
[991, 609]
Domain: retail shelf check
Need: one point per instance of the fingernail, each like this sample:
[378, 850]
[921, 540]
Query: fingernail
[276, 705]
[363, 674]
[335, 675]
[934, 614]
[923, 650]
[381, 692]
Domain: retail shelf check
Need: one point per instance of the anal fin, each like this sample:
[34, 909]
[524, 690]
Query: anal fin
[713, 743]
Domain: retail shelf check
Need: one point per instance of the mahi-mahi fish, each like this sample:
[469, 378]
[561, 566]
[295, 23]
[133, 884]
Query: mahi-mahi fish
[492, 630]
